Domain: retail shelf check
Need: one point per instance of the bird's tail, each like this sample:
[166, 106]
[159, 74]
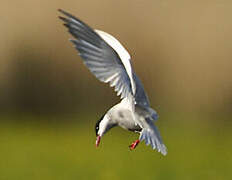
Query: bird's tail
[152, 136]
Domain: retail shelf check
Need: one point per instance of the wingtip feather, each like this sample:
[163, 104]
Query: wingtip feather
[62, 18]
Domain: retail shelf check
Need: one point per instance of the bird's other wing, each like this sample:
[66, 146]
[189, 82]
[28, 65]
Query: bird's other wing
[150, 134]
[141, 99]
[102, 54]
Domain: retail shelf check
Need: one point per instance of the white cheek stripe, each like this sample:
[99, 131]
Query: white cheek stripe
[122, 52]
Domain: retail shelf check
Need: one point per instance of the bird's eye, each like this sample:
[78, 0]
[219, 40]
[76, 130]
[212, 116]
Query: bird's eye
[96, 129]
[97, 125]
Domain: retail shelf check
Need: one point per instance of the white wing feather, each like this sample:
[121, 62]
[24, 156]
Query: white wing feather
[122, 52]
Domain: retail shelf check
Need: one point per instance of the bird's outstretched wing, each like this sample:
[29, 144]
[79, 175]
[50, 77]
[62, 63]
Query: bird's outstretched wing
[98, 52]
[150, 134]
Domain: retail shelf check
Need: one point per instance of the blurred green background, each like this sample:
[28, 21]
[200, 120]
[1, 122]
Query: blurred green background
[49, 102]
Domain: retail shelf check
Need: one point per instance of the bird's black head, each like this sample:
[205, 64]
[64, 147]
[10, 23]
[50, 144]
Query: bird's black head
[97, 125]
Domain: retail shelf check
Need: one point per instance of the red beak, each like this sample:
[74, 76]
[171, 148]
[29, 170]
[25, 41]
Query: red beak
[98, 141]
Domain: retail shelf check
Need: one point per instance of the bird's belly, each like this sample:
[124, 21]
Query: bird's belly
[131, 127]
[124, 119]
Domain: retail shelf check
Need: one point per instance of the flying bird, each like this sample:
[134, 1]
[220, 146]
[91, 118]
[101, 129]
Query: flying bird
[110, 62]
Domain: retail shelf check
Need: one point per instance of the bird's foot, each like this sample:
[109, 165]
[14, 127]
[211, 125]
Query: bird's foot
[134, 144]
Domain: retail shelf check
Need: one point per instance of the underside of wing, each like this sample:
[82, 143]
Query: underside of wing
[101, 59]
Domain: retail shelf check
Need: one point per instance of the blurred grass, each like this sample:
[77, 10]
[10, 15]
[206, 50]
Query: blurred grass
[36, 149]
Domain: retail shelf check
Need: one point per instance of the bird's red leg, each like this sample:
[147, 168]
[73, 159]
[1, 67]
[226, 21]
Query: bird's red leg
[134, 144]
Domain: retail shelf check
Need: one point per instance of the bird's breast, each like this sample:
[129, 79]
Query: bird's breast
[124, 118]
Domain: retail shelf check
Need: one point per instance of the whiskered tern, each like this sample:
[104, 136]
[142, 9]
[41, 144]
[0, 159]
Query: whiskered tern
[110, 62]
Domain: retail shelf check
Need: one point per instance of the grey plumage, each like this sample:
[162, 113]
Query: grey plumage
[97, 55]
[152, 136]
[107, 64]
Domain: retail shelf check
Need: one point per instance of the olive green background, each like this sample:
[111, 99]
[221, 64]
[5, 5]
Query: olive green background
[49, 102]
